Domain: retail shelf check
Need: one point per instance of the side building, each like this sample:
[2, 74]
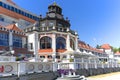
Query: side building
[13, 39]
[11, 13]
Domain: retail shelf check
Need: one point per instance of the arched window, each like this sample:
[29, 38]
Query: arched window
[45, 42]
[72, 45]
[60, 43]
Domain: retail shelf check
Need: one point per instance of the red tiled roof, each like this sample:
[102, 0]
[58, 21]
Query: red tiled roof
[13, 27]
[117, 52]
[83, 45]
[106, 46]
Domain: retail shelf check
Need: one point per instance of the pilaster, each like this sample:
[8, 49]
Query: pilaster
[76, 43]
[10, 40]
[54, 46]
[54, 42]
[68, 42]
[35, 45]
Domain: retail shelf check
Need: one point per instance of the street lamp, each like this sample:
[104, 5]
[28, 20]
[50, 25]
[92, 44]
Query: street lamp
[12, 52]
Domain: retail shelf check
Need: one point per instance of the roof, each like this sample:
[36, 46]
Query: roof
[117, 52]
[83, 45]
[54, 4]
[13, 27]
[11, 2]
[105, 46]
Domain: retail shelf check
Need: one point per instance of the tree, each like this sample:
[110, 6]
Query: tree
[115, 49]
[98, 46]
[119, 49]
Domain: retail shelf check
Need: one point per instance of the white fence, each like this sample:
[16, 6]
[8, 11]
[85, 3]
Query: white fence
[18, 68]
[85, 65]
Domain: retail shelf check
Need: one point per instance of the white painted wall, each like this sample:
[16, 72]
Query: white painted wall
[33, 38]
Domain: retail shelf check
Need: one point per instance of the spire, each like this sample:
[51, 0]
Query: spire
[54, 3]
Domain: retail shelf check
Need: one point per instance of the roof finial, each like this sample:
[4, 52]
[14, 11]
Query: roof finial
[54, 3]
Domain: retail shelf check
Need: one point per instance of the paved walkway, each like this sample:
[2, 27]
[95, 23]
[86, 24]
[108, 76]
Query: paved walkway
[110, 76]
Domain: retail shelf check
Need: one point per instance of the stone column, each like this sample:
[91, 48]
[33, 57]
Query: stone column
[54, 42]
[68, 42]
[35, 45]
[54, 46]
[76, 43]
[23, 42]
[10, 40]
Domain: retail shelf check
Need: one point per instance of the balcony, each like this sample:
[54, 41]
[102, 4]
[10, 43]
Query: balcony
[22, 50]
[61, 50]
[45, 50]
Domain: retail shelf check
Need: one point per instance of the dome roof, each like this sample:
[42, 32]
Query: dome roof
[54, 4]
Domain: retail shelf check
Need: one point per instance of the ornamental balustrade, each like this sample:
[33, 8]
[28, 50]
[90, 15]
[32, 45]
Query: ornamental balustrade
[19, 68]
[85, 65]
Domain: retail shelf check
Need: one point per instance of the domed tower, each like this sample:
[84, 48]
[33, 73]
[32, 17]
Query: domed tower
[54, 8]
[55, 36]
[54, 20]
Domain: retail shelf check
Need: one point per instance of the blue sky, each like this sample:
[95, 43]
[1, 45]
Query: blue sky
[96, 21]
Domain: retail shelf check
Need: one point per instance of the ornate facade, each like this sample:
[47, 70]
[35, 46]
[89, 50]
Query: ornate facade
[53, 34]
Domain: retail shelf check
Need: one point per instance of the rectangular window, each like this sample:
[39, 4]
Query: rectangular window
[4, 38]
[31, 46]
[15, 10]
[5, 6]
[22, 12]
[0, 3]
[18, 11]
[1, 19]
[17, 41]
[9, 7]
[30, 16]
[12, 8]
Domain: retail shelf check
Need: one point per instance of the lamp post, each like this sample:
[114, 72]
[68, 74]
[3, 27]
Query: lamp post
[12, 52]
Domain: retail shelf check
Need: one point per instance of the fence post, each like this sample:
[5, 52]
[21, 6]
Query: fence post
[86, 65]
[55, 66]
[18, 69]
